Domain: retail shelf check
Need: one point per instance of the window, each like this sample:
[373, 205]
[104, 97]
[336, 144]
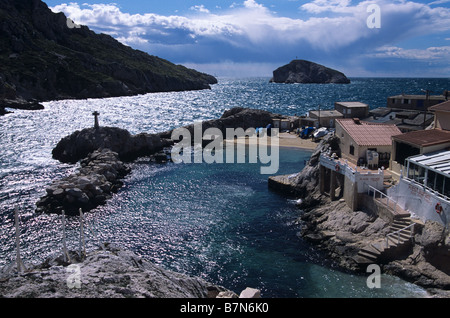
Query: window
[352, 150]
[431, 179]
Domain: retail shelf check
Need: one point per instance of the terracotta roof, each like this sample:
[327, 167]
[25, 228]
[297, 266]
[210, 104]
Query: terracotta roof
[424, 138]
[445, 106]
[369, 134]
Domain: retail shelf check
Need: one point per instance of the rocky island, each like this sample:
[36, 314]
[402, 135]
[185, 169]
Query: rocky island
[44, 58]
[306, 72]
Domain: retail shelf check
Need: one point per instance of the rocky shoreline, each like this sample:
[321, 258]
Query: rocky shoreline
[109, 272]
[342, 233]
[103, 153]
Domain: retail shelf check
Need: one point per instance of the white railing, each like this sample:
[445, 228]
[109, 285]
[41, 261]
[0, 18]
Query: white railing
[382, 195]
[398, 232]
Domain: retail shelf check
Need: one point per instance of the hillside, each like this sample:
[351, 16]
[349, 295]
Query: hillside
[42, 58]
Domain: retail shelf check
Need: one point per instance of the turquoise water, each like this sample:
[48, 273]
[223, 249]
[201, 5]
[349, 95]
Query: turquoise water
[219, 221]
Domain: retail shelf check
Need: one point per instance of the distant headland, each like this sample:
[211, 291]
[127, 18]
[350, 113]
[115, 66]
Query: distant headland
[45, 56]
[306, 72]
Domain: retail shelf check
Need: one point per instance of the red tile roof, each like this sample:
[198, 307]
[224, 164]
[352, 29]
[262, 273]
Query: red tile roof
[369, 134]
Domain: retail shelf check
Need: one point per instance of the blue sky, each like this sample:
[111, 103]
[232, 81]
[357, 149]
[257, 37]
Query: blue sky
[253, 37]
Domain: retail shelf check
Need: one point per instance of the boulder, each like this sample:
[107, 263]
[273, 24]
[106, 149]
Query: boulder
[80, 144]
[250, 293]
[98, 178]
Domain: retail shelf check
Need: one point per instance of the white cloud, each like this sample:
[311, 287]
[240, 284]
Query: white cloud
[249, 31]
[439, 2]
[428, 54]
[319, 6]
[199, 8]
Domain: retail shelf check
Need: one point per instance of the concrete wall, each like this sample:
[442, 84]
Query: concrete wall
[420, 201]
[442, 120]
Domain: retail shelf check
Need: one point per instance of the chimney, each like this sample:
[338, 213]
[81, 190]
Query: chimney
[356, 121]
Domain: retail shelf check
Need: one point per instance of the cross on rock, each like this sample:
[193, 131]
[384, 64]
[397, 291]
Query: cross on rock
[96, 114]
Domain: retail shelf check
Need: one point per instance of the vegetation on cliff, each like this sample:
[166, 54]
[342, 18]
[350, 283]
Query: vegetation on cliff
[43, 57]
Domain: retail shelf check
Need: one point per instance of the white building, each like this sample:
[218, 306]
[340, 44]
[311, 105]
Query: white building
[424, 188]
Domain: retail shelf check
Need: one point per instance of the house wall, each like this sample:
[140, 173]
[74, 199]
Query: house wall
[435, 148]
[362, 151]
[442, 120]
[411, 102]
[352, 112]
[419, 201]
[345, 142]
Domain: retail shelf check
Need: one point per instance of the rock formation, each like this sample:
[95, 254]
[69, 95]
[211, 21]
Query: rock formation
[98, 178]
[103, 151]
[79, 144]
[305, 72]
[106, 273]
[45, 58]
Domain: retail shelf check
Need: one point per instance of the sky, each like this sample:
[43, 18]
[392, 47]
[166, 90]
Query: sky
[241, 38]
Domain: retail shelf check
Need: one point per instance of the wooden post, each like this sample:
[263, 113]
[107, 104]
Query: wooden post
[20, 266]
[65, 252]
[82, 243]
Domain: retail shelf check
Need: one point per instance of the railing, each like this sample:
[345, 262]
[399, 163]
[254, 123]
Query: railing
[388, 199]
[82, 249]
[411, 226]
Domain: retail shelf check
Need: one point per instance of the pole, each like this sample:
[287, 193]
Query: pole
[318, 126]
[82, 243]
[20, 266]
[65, 252]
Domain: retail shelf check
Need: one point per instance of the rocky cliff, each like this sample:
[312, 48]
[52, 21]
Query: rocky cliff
[43, 57]
[306, 72]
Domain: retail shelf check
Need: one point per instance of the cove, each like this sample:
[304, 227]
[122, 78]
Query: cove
[221, 223]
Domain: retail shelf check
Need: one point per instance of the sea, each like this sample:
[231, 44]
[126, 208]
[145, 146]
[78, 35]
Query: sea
[219, 222]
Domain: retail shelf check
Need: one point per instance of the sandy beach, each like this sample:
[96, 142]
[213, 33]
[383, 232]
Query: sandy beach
[290, 140]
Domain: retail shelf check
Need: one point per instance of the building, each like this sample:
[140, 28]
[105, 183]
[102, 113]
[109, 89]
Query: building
[357, 137]
[405, 120]
[352, 109]
[424, 188]
[415, 102]
[422, 142]
[442, 115]
[418, 142]
[325, 118]
[422, 161]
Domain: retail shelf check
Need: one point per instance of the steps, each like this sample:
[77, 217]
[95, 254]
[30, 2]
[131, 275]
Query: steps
[400, 236]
